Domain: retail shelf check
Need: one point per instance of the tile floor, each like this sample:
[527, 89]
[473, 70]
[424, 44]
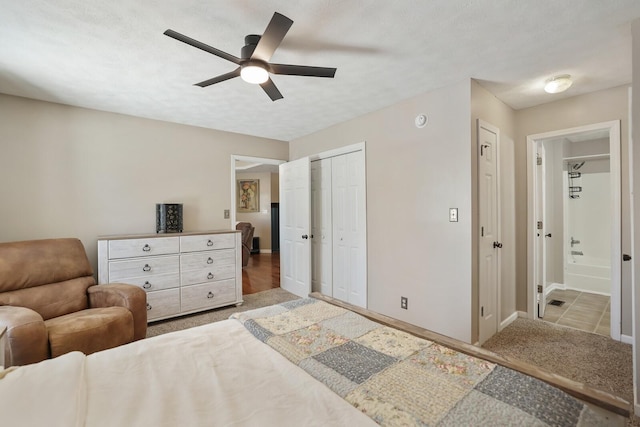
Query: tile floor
[581, 310]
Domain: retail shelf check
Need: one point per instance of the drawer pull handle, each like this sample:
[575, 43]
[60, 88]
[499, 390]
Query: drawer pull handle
[146, 248]
[146, 268]
[210, 260]
[149, 307]
[210, 295]
[147, 285]
[209, 243]
[209, 276]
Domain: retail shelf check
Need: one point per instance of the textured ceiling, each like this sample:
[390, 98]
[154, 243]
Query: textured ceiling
[112, 55]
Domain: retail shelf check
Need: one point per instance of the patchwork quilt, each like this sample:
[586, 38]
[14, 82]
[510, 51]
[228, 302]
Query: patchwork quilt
[398, 379]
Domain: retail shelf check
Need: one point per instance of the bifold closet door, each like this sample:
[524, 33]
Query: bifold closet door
[349, 228]
[321, 227]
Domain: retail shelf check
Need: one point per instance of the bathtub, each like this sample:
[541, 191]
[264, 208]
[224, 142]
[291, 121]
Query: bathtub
[588, 274]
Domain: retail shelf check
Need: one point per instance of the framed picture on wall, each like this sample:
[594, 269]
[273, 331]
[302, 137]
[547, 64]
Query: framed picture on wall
[248, 195]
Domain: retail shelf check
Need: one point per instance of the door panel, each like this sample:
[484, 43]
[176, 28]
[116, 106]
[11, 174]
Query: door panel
[295, 218]
[349, 228]
[489, 239]
[321, 275]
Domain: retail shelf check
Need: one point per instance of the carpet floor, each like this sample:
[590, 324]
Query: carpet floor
[595, 360]
[251, 301]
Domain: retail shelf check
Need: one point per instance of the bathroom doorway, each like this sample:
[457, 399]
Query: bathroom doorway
[574, 228]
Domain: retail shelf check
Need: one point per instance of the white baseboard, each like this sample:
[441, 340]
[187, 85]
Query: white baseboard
[265, 251]
[552, 287]
[627, 339]
[523, 314]
[509, 320]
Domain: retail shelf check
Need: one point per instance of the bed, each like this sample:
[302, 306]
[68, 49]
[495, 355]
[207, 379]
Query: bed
[305, 363]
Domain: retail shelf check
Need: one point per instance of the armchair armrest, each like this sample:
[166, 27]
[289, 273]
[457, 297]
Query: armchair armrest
[27, 338]
[130, 297]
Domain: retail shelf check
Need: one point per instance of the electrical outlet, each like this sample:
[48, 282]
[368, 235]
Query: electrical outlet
[226, 214]
[404, 303]
[453, 214]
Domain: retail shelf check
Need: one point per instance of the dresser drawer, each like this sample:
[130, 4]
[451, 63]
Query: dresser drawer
[143, 267]
[207, 259]
[143, 247]
[207, 241]
[206, 295]
[212, 274]
[163, 304]
[155, 282]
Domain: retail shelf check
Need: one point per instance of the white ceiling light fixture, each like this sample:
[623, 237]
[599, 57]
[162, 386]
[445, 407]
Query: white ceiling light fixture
[558, 84]
[252, 72]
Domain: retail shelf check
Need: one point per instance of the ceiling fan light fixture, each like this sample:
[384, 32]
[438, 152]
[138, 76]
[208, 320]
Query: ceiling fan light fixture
[558, 84]
[254, 73]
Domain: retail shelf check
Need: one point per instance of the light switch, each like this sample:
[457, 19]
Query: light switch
[453, 214]
[226, 214]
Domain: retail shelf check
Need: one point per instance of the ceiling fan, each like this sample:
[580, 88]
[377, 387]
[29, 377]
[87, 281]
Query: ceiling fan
[253, 64]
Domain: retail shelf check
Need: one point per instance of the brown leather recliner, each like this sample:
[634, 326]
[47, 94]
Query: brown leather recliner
[247, 231]
[51, 305]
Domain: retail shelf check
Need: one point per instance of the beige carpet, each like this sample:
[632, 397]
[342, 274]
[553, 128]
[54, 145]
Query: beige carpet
[251, 301]
[595, 360]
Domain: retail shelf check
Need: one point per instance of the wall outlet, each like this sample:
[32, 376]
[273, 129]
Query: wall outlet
[453, 214]
[226, 214]
[404, 303]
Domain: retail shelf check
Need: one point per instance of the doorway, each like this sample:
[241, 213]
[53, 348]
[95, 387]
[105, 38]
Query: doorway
[262, 271]
[574, 238]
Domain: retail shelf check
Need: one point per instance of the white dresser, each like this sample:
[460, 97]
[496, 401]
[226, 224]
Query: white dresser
[182, 273]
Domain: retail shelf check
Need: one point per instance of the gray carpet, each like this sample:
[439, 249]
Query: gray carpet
[251, 301]
[595, 360]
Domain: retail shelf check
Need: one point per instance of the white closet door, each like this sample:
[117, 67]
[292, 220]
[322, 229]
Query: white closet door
[349, 228]
[321, 228]
[295, 246]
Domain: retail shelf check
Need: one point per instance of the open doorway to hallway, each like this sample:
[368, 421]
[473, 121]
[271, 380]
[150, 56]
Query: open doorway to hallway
[255, 201]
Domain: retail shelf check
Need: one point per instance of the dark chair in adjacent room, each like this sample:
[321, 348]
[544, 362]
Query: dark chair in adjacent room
[51, 305]
[247, 238]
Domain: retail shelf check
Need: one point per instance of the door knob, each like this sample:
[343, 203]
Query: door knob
[547, 235]
[497, 245]
[305, 236]
[626, 257]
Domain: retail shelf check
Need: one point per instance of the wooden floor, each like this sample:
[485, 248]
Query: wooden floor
[261, 274]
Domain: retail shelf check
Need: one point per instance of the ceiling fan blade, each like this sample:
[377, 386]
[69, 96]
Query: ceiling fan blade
[272, 37]
[302, 70]
[202, 46]
[220, 78]
[271, 90]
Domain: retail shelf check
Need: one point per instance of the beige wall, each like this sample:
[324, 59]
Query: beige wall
[260, 220]
[275, 188]
[68, 171]
[413, 177]
[596, 107]
[486, 107]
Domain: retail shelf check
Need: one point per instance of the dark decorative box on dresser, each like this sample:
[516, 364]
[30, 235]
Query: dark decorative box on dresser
[182, 273]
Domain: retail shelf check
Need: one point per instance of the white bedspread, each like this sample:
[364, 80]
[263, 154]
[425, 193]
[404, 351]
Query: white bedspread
[212, 375]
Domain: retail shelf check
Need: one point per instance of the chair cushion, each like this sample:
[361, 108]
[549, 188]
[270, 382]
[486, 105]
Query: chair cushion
[90, 330]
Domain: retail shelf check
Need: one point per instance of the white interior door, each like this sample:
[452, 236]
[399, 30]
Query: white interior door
[489, 240]
[295, 246]
[321, 227]
[349, 228]
[541, 268]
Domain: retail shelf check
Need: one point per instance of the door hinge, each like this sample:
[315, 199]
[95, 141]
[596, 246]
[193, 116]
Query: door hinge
[539, 160]
[481, 311]
[539, 289]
